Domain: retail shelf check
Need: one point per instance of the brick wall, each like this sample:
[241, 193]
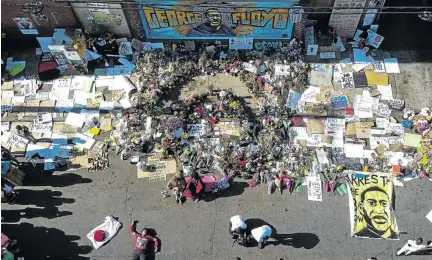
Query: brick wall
[58, 14]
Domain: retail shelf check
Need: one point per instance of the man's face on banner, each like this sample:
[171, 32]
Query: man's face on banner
[214, 17]
[376, 209]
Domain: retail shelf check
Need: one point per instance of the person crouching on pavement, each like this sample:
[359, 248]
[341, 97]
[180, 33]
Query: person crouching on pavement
[195, 188]
[141, 241]
[178, 185]
[412, 246]
[237, 227]
[261, 235]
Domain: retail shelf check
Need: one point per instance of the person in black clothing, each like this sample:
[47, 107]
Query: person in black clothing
[213, 26]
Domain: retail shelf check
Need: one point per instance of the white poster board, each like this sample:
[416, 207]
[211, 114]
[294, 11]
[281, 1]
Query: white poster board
[345, 21]
[314, 185]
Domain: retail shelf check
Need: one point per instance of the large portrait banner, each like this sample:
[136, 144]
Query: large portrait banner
[371, 204]
[197, 19]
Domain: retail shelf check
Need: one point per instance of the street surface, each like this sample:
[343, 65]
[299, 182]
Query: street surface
[63, 208]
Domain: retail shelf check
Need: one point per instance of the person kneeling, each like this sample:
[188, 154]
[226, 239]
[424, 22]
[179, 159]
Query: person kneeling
[261, 235]
[237, 227]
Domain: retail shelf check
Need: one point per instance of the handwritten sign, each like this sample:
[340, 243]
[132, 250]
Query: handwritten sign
[125, 49]
[194, 129]
[397, 104]
[314, 188]
[395, 128]
[282, 70]
[39, 127]
[16, 141]
[381, 109]
[339, 102]
[137, 45]
[314, 140]
[334, 125]
[345, 21]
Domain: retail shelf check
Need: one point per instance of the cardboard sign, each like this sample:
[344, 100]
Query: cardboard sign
[16, 141]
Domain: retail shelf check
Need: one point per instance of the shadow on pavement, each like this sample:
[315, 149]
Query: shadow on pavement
[45, 243]
[235, 189]
[15, 215]
[40, 198]
[48, 179]
[297, 240]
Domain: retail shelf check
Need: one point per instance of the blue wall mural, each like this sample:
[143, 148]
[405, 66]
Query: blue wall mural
[197, 19]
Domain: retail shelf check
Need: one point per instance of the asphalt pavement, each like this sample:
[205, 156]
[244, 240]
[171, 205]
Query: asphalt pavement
[54, 215]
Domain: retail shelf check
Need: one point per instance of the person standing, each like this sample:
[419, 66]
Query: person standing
[141, 241]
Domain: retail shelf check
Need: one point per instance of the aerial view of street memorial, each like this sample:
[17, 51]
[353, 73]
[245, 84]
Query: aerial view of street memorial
[192, 130]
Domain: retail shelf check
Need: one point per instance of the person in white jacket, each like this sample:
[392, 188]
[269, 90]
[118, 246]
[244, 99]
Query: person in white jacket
[261, 235]
[237, 226]
[412, 246]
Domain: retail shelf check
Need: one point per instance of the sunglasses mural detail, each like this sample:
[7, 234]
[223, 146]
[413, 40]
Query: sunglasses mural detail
[205, 20]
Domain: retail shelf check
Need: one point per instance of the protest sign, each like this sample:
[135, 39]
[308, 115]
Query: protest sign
[16, 141]
[397, 104]
[25, 25]
[334, 125]
[348, 80]
[125, 49]
[293, 99]
[345, 21]
[282, 70]
[249, 67]
[339, 102]
[374, 39]
[194, 129]
[241, 43]
[371, 205]
[314, 188]
[314, 140]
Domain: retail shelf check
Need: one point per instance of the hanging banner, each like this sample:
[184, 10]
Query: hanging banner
[371, 205]
[345, 21]
[25, 25]
[241, 43]
[184, 19]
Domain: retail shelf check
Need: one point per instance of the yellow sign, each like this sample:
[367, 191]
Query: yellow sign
[371, 205]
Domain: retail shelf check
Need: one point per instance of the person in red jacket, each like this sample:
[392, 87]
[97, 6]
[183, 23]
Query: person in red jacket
[141, 241]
